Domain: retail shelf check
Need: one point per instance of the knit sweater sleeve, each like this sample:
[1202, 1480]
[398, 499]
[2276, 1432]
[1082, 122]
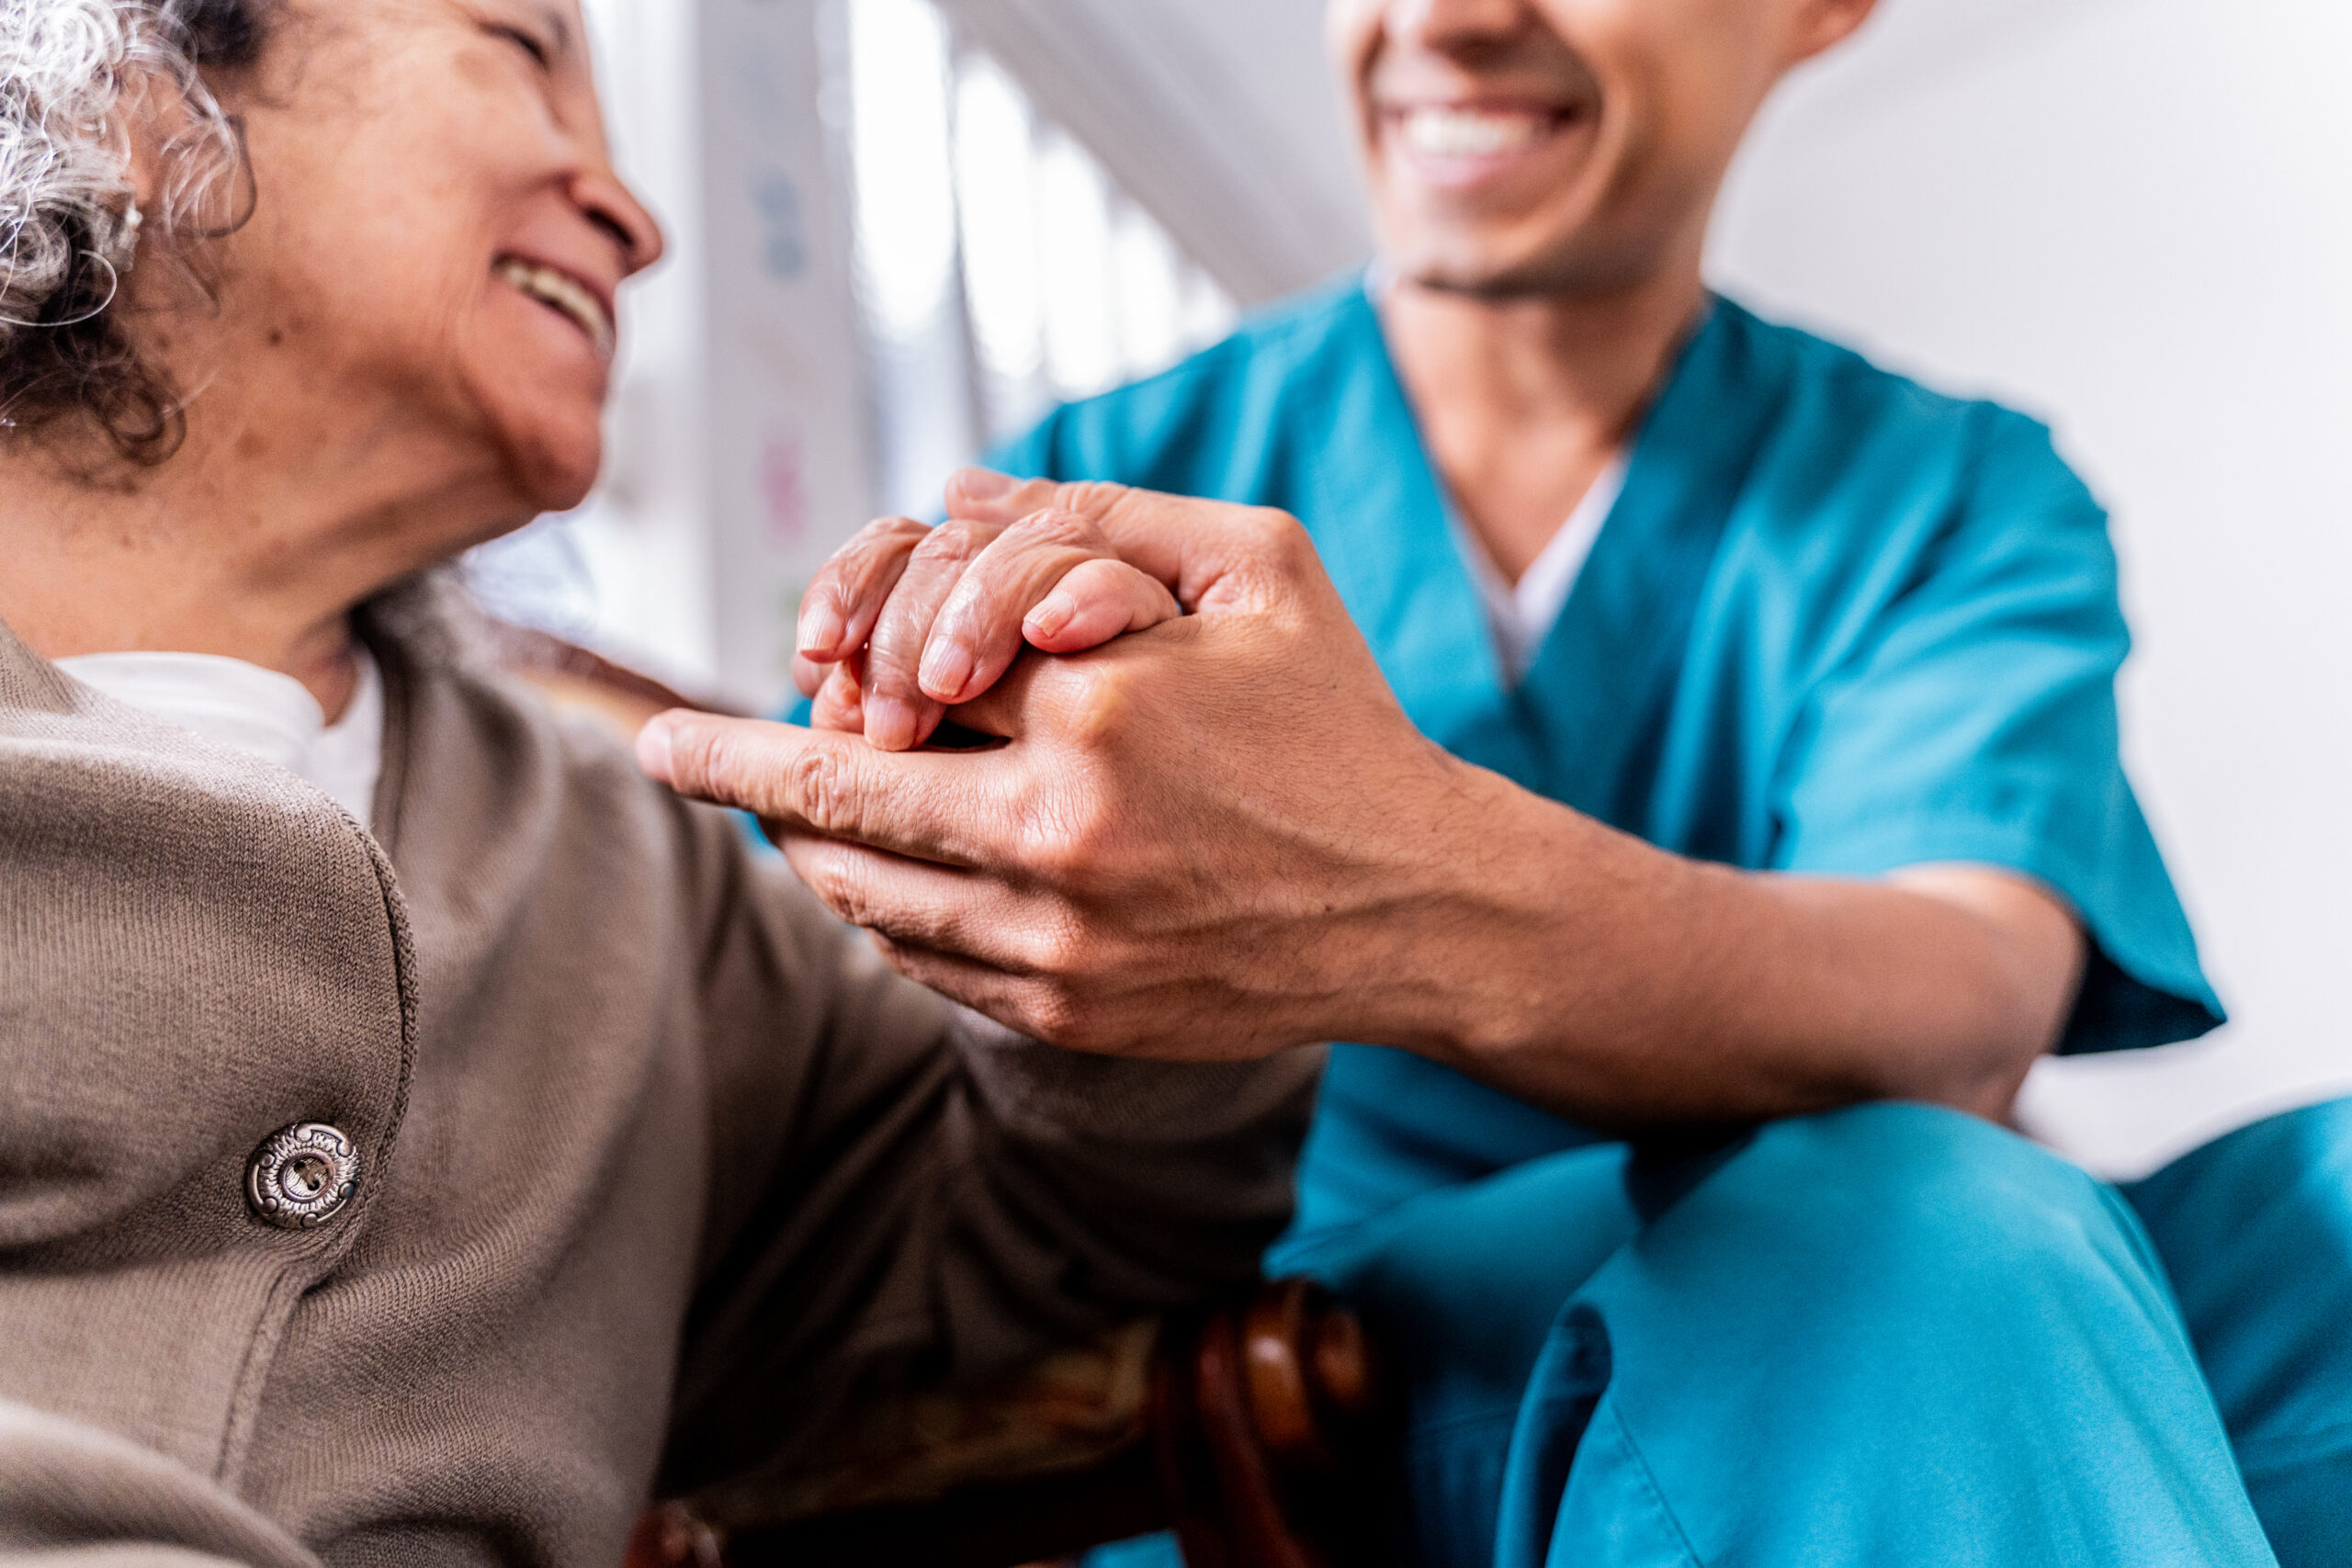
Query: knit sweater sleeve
[909, 1198]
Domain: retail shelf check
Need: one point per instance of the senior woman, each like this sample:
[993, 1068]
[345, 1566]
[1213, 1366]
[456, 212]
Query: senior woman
[415, 1129]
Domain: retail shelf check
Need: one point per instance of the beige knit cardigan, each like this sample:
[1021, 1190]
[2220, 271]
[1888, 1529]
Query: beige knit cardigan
[661, 1171]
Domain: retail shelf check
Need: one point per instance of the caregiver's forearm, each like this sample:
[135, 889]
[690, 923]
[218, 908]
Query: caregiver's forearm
[1580, 968]
[1225, 836]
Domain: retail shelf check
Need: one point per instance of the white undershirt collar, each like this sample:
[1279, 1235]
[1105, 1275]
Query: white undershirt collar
[1522, 617]
[260, 711]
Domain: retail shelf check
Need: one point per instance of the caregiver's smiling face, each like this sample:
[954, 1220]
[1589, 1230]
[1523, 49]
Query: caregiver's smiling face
[1533, 146]
[437, 228]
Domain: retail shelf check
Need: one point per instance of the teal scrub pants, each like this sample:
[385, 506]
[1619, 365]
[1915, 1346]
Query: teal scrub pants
[2255, 1230]
[1892, 1335]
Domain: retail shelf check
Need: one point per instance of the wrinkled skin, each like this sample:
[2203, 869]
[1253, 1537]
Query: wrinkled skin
[372, 396]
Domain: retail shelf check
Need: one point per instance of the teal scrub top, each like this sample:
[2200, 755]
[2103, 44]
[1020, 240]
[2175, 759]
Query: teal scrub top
[1837, 623]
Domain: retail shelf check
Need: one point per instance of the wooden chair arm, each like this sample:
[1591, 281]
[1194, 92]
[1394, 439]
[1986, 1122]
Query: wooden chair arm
[1264, 1444]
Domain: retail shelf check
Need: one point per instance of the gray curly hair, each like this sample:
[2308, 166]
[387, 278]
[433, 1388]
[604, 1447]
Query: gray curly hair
[87, 87]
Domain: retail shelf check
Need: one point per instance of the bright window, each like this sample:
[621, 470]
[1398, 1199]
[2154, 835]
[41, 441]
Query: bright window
[999, 269]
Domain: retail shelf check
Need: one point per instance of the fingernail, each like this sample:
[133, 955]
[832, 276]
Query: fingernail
[946, 665]
[653, 744]
[986, 484]
[1052, 613]
[821, 629]
[891, 723]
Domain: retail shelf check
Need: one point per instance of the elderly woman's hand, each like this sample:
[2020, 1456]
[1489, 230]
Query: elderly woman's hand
[905, 620]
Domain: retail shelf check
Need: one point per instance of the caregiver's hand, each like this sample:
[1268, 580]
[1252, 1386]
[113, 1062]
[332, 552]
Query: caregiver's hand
[906, 620]
[1221, 835]
[1199, 833]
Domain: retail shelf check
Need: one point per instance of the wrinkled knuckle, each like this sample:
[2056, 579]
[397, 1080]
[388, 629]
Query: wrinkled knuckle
[953, 543]
[1278, 536]
[1042, 533]
[1056, 1014]
[892, 651]
[1089, 498]
[1093, 702]
[882, 531]
[724, 760]
[875, 545]
[1066, 951]
[1052, 852]
[817, 791]
[846, 880]
[835, 887]
[851, 897]
[1067, 844]
[1090, 837]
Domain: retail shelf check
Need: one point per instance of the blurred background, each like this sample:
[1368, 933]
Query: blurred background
[903, 229]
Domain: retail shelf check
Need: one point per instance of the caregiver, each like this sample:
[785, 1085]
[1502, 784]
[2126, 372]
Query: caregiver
[1683, 757]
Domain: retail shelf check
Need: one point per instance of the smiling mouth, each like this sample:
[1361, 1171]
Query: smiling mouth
[1456, 131]
[565, 295]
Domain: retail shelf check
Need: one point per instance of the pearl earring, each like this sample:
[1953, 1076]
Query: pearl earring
[126, 235]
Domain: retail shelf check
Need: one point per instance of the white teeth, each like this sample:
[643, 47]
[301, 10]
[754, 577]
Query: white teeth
[1470, 133]
[566, 294]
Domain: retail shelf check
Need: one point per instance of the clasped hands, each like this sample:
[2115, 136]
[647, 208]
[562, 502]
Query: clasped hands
[1203, 813]
[1213, 834]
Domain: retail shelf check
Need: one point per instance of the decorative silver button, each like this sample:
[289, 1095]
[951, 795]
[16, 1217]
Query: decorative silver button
[304, 1176]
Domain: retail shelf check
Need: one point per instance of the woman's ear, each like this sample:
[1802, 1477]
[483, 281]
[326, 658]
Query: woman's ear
[186, 163]
[1823, 25]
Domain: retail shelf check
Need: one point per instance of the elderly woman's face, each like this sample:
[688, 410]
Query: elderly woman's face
[437, 231]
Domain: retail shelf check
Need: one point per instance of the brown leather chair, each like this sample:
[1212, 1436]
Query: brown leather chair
[1262, 1440]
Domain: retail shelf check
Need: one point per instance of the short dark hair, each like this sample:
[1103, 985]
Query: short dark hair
[67, 225]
